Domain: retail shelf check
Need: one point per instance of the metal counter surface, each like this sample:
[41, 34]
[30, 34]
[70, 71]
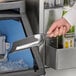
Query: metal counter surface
[67, 72]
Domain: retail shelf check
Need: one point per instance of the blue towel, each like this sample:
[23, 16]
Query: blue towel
[13, 31]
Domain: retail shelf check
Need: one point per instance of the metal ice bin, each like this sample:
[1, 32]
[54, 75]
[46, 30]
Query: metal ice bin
[60, 58]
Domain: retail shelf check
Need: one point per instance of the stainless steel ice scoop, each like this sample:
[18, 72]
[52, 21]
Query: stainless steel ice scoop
[28, 42]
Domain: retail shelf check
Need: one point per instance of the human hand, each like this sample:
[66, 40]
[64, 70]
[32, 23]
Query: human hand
[59, 27]
[2, 0]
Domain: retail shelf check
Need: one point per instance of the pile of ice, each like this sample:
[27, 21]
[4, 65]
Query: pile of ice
[10, 66]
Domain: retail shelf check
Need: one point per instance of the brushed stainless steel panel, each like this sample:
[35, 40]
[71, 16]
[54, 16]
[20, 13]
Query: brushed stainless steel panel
[61, 58]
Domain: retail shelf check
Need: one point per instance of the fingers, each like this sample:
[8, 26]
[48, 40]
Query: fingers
[59, 27]
[58, 32]
[54, 33]
[61, 31]
[2, 0]
[64, 30]
[52, 28]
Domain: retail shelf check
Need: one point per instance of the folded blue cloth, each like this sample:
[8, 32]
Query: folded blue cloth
[13, 30]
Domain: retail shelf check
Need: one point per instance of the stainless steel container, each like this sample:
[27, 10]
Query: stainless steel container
[60, 58]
